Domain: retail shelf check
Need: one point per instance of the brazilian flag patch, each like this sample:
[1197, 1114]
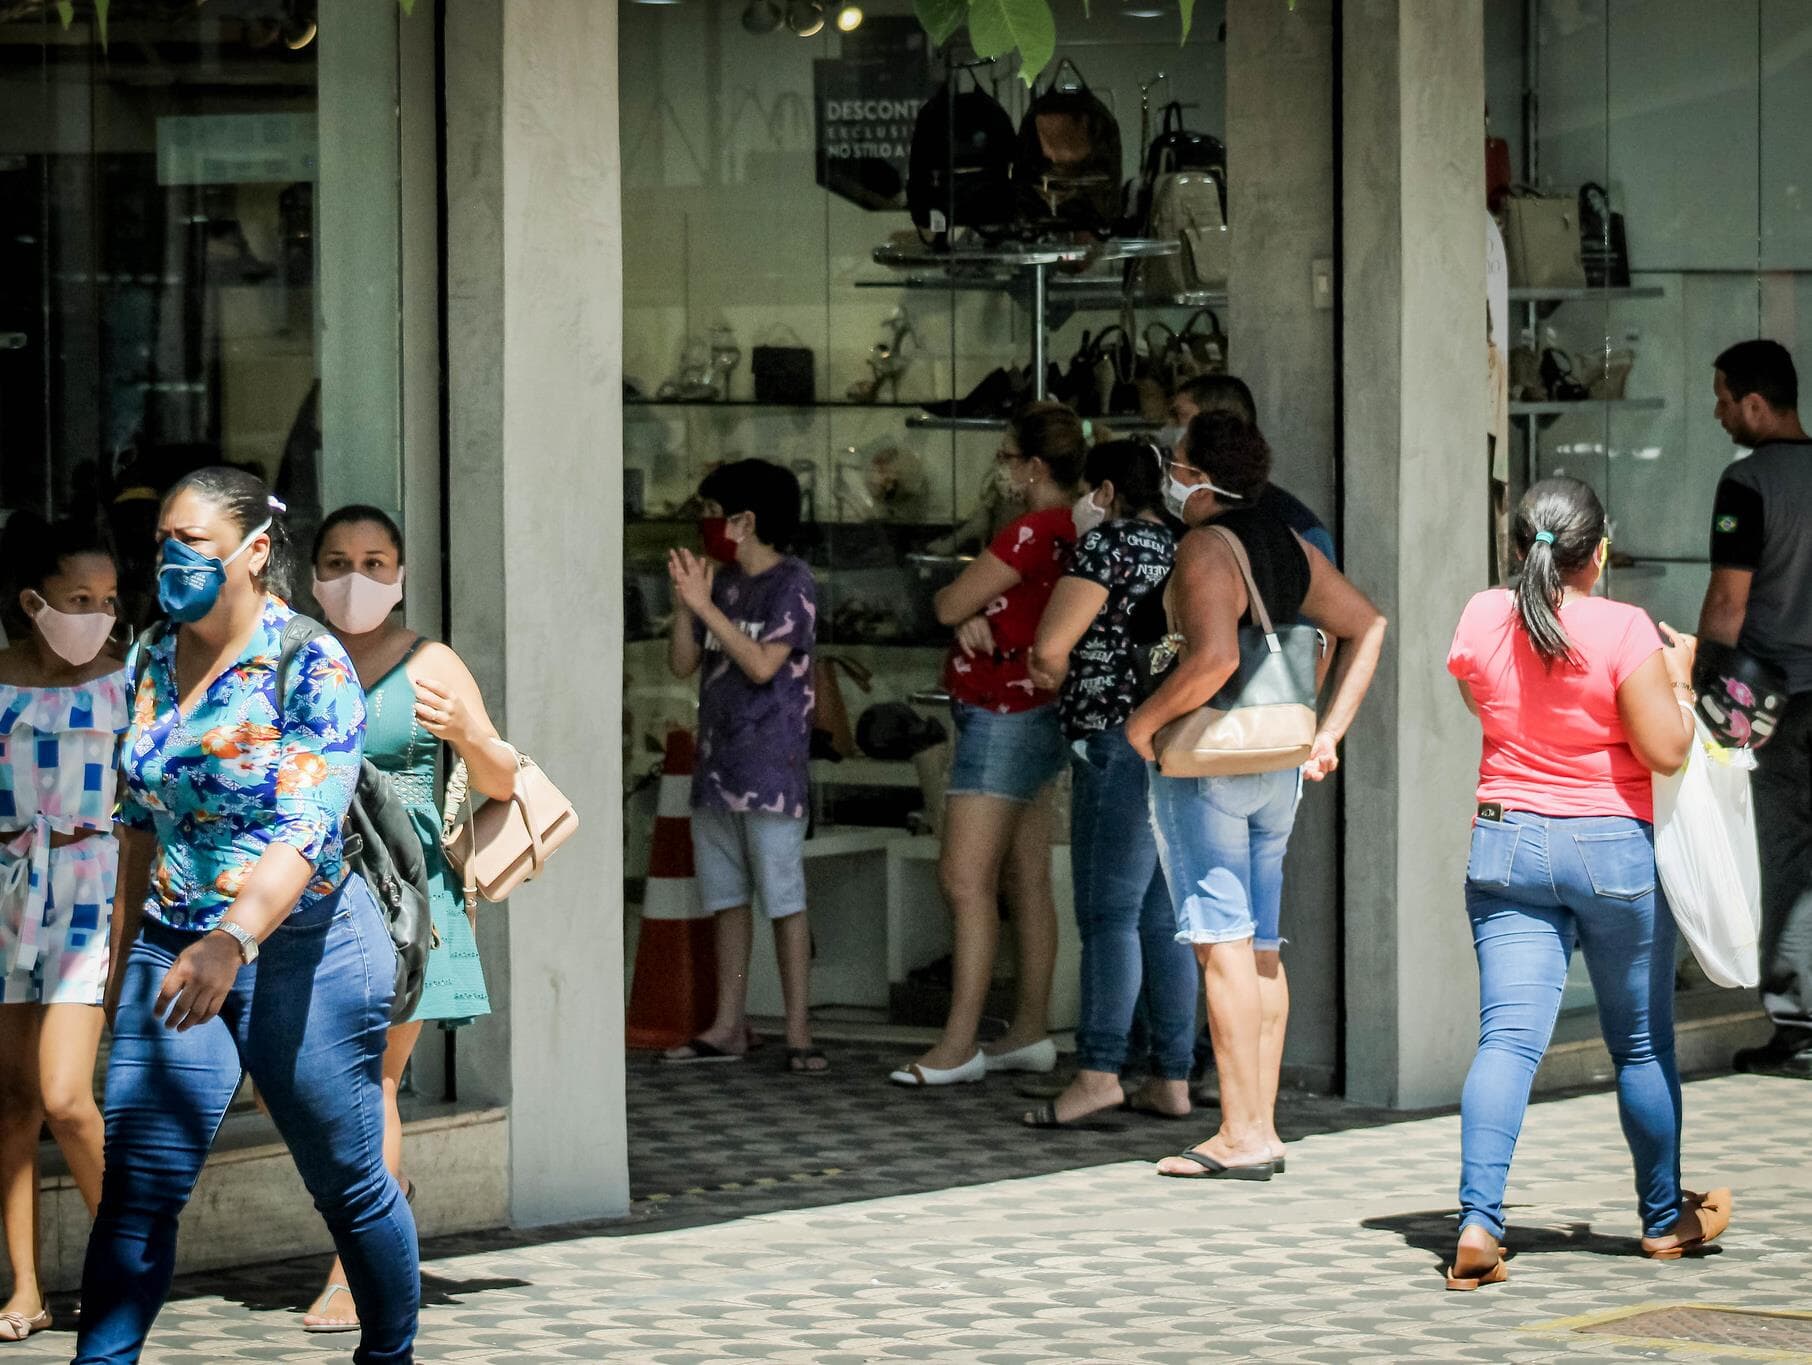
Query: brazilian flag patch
[1726, 525]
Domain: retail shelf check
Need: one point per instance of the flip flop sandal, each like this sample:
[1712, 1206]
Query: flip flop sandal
[701, 1052]
[1214, 1170]
[324, 1328]
[799, 1062]
[1045, 1116]
[1495, 1273]
[17, 1327]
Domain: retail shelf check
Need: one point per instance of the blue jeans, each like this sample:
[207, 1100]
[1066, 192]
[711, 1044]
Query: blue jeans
[1222, 843]
[1014, 756]
[308, 1021]
[1123, 914]
[1535, 886]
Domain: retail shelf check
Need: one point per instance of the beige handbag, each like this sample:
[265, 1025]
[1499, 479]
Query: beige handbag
[1263, 720]
[1541, 241]
[503, 844]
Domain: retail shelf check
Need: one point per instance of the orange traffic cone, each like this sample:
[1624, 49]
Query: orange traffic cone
[675, 990]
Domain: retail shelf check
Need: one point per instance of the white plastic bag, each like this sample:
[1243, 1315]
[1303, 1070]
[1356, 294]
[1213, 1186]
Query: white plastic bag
[1705, 855]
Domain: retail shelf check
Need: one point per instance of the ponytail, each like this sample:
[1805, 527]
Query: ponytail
[1559, 526]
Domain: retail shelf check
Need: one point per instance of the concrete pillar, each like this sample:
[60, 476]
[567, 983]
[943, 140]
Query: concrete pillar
[358, 215]
[1415, 412]
[1281, 207]
[534, 296]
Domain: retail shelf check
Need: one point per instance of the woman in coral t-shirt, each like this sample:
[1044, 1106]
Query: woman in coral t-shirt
[1580, 702]
[1009, 749]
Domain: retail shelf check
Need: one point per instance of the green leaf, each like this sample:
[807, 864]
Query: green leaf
[940, 18]
[997, 27]
[1187, 9]
[100, 21]
[66, 12]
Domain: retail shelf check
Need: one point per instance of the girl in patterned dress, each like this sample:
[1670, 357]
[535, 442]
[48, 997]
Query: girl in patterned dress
[62, 706]
[418, 694]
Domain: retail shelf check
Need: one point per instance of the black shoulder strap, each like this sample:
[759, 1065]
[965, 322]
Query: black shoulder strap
[296, 636]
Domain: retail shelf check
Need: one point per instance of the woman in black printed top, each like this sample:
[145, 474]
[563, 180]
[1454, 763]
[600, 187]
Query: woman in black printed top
[1123, 556]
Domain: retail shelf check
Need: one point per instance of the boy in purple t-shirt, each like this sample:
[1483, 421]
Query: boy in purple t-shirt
[750, 623]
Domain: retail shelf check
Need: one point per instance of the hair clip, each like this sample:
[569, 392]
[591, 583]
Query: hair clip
[1088, 430]
[276, 504]
[1545, 537]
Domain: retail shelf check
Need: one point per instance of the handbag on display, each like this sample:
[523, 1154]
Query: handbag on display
[1605, 373]
[1526, 384]
[1201, 346]
[503, 844]
[1603, 248]
[1263, 719]
[832, 737]
[960, 166]
[1557, 379]
[1541, 240]
[1067, 175]
[784, 375]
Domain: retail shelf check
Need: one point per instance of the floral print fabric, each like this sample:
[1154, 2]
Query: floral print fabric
[235, 776]
[1131, 559]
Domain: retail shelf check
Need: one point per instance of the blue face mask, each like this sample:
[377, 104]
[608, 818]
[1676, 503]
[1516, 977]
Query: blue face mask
[189, 582]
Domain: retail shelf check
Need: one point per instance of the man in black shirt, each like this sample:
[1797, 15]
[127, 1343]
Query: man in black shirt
[1760, 600]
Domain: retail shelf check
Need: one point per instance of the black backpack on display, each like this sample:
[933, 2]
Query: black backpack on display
[1067, 177]
[960, 169]
[380, 843]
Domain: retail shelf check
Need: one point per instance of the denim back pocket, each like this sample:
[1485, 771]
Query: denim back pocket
[1621, 865]
[1494, 845]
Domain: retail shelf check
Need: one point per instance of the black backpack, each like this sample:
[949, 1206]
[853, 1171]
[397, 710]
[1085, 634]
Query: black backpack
[1067, 177]
[960, 170]
[380, 843]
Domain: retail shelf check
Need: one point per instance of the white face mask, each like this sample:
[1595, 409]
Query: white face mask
[1087, 514]
[74, 637]
[356, 604]
[1177, 494]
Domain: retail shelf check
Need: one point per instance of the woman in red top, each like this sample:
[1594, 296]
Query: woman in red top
[1009, 749]
[1580, 703]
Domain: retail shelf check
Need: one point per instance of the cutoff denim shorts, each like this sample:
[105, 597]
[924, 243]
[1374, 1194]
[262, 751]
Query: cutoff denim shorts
[1013, 756]
[1221, 842]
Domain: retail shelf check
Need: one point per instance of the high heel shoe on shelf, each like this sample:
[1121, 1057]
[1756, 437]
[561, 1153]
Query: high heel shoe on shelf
[916, 1076]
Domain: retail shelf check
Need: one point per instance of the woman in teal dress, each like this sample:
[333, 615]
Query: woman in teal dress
[419, 695]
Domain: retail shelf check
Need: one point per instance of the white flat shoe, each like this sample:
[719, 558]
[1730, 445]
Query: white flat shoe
[1039, 1057]
[975, 1069]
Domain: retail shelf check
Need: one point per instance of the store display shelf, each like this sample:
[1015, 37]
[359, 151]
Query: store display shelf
[1020, 254]
[1585, 405]
[925, 421]
[744, 403]
[1520, 294]
[1073, 294]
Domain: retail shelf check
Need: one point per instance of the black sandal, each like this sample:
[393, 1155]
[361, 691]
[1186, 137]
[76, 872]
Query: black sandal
[799, 1061]
[1214, 1170]
[700, 1051]
[1045, 1116]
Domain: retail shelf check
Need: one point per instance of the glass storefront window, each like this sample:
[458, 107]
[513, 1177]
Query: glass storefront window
[185, 217]
[1690, 117]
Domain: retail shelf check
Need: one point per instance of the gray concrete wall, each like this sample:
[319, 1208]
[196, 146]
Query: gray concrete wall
[535, 493]
[1281, 212]
[1414, 355]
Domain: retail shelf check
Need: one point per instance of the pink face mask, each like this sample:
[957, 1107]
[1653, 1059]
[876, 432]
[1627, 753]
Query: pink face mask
[73, 637]
[355, 604]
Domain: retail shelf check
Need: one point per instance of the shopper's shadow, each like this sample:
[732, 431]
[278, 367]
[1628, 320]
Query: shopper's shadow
[292, 1285]
[1437, 1230]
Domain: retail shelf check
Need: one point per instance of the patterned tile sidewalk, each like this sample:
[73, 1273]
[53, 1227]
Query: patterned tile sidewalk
[1086, 1256]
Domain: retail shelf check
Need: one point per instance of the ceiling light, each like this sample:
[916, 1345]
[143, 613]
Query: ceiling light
[761, 16]
[805, 17]
[849, 18]
[299, 35]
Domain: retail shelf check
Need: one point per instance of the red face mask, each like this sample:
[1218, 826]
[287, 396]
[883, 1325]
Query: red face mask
[716, 534]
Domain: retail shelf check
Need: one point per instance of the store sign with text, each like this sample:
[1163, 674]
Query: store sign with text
[866, 103]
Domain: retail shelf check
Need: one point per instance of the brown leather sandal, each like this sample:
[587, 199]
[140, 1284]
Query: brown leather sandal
[1465, 1278]
[1710, 1210]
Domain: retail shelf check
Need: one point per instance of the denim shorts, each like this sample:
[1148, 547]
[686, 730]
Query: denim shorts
[741, 857]
[1221, 842]
[1013, 756]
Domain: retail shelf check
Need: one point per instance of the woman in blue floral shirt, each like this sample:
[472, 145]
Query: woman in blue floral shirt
[254, 947]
